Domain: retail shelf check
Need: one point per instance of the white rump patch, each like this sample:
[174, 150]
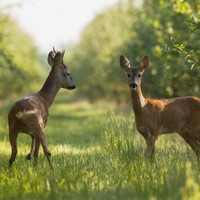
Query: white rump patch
[25, 113]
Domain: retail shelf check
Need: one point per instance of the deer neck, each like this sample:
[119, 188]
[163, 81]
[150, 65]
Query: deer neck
[50, 89]
[138, 101]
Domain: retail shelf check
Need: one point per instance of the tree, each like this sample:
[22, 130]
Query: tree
[134, 32]
[18, 59]
[95, 59]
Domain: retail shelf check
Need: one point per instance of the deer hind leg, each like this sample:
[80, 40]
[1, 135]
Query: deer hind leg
[36, 125]
[44, 146]
[198, 150]
[30, 155]
[37, 146]
[40, 138]
[194, 144]
[13, 133]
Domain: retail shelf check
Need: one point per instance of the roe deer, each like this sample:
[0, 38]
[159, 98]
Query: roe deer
[154, 117]
[29, 114]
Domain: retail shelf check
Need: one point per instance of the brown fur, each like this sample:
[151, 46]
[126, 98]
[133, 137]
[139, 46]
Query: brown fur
[154, 117]
[29, 114]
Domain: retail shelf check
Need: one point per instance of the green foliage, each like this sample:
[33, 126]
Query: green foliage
[134, 32]
[174, 73]
[191, 54]
[95, 59]
[122, 29]
[97, 154]
[18, 59]
[194, 23]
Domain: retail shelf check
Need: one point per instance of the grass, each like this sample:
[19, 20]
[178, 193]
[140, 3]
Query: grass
[97, 154]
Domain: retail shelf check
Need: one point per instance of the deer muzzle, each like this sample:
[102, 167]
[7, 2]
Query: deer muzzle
[72, 87]
[133, 86]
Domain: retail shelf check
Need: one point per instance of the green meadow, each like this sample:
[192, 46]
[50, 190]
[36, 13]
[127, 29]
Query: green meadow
[97, 154]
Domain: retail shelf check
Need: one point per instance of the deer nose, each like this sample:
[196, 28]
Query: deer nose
[133, 85]
[72, 87]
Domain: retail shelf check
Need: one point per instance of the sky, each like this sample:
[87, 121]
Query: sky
[55, 22]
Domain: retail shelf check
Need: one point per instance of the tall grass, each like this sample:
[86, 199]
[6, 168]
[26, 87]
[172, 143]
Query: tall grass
[97, 154]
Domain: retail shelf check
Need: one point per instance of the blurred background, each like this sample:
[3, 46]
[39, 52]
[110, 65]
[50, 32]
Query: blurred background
[94, 34]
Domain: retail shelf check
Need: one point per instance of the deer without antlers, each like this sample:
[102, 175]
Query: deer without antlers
[29, 114]
[154, 117]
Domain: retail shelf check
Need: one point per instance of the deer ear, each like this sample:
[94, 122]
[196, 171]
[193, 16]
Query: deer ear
[63, 53]
[144, 63]
[51, 59]
[124, 63]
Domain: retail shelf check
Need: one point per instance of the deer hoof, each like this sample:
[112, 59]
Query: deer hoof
[28, 157]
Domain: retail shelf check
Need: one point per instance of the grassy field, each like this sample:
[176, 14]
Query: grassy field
[97, 154]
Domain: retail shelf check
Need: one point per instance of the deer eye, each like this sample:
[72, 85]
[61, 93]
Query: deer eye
[139, 75]
[129, 75]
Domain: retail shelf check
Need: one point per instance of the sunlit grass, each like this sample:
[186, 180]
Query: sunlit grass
[97, 154]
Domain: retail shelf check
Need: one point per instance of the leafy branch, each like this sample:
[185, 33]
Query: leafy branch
[192, 58]
[193, 22]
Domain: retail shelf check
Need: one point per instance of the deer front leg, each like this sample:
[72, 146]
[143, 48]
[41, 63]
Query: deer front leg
[194, 144]
[30, 155]
[150, 150]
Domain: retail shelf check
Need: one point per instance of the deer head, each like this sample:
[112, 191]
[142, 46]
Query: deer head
[55, 60]
[134, 73]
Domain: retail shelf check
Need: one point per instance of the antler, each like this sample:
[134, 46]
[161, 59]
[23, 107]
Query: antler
[54, 51]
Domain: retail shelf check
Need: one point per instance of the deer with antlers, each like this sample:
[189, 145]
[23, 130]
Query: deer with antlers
[154, 117]
[29, 114]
